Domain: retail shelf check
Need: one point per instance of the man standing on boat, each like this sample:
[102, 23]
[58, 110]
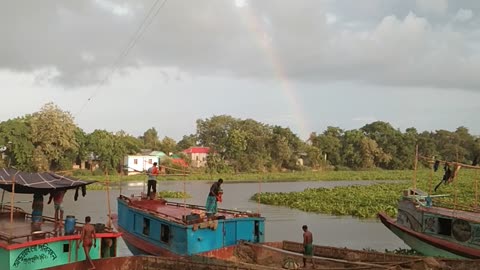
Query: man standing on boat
[307, 246]
[215, 189]
[88, 239]
[57, 197]
[37, 207]
[152, 181]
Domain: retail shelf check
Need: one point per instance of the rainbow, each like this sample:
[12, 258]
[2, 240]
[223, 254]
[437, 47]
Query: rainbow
[256, 27]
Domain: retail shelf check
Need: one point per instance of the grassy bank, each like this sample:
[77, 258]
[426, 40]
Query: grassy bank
[367, 201]
[280, 176]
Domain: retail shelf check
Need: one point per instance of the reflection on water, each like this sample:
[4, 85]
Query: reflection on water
[282, 223]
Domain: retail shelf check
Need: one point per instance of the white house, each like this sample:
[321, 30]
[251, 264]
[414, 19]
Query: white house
[138, 163]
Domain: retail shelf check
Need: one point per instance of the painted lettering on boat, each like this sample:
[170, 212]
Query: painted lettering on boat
[35, 254]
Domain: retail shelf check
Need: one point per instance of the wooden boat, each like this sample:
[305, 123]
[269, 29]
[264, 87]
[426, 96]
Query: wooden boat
[158, 227]
[435, 230]
[280, 255]
[36, 245]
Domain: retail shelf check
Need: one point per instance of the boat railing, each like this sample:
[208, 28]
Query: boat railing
[184, 205]
[222, 210]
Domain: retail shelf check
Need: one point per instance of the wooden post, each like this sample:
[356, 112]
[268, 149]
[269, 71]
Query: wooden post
[430, 180]
[259, 194]
[476, 191]
[109, 223]
[12, 198]
[415, 169]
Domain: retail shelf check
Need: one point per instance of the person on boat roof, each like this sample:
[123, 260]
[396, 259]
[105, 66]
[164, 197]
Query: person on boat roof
[57, 196]
[211, 205]
[307, 246]
[152, 181]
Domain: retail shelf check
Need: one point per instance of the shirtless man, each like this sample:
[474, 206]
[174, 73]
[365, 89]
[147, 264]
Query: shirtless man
[88, 238]
[307, 246]
[57, 197]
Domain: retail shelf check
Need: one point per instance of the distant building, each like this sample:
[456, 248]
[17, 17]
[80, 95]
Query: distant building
[138, 163]
[198, 155]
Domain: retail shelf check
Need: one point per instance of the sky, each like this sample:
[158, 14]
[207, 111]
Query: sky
[304, 64]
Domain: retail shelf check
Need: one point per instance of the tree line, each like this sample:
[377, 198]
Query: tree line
[50, 140]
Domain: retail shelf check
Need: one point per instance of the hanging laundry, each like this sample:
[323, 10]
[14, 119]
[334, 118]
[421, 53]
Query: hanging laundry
[436, 165]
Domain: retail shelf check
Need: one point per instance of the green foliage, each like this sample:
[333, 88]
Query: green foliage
[53, 135]
[50, 140]
[173, 194]
[368, 201]
[168, 145]
[150, 139]
[186, 142]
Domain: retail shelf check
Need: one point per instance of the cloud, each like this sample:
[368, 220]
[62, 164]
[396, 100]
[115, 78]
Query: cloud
[438, 7]
[463, 15]
[303, 39]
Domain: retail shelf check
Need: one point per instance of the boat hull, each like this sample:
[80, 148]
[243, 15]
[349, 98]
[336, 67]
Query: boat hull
[154, 227]
[428, 245]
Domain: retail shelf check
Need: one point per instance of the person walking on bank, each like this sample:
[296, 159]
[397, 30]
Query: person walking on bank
[152, 181]
[211, 205]
[307, 246]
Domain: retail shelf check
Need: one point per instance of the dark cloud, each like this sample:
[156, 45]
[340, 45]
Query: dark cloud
[408, 43]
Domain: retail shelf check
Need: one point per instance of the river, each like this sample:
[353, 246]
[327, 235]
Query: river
[282, 223]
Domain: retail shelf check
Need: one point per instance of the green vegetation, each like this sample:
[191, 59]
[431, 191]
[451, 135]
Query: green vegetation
[50, 140]
[387, 175]
[173, 194]
[367, 201]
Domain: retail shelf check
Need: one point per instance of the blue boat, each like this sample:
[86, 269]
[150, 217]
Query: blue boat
[161, 228]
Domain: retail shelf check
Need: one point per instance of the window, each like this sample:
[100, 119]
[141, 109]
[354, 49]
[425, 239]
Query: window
[146, 226]
[445, 226]
[66, 247]
[150, 161]
[196, 158]
[135, 161]
[165, 233]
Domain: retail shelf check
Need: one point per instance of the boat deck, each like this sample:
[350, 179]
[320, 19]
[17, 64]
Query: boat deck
[178, 211]
[22, 230]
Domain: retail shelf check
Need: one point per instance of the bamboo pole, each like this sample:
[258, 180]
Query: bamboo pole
[109, 224]
[430, 160]
[430, 180]
[3, 195]
[476, 191]
[121, 179]
[259, 194]
[12, 198]
[184, 191]
[415, 169]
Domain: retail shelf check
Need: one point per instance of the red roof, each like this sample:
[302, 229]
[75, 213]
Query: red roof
[180, 162]
[197, 150]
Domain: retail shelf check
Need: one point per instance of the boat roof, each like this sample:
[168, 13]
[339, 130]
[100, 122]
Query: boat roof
[175, 212]
[45, 182]
[453, 213]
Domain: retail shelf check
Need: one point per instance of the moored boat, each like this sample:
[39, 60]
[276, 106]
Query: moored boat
[32, 241]
[280, 255]
[435, 229]
[158, 227]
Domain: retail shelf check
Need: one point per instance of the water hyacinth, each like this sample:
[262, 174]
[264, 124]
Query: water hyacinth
[364, 201]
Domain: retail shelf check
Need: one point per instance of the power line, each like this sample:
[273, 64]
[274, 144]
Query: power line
[146, 22]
